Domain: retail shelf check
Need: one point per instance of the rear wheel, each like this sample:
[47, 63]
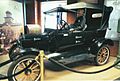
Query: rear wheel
[103, 55]
[30, 74]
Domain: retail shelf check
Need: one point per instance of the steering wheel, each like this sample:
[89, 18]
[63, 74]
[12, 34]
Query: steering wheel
[64, 25]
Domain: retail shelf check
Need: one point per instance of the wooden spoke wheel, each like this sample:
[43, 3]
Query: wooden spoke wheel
[102, 55]
[30, 74]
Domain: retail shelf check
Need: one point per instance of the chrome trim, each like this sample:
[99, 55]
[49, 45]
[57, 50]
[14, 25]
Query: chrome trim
[77, 41]
[78, 37]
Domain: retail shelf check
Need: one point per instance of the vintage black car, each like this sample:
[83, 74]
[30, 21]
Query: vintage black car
[64, 45]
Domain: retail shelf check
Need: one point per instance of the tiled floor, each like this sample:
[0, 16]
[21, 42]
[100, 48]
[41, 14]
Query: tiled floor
[65, 75]
[3, 70]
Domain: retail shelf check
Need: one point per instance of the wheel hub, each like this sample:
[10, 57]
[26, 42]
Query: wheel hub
[102, 55]
[28, 72]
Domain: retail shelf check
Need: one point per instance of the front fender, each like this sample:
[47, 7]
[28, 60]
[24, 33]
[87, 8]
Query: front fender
[27, 51]
[23, 52]
[98, 43]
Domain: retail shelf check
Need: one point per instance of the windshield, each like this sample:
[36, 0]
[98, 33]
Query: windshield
[55, 15]
[52, 20]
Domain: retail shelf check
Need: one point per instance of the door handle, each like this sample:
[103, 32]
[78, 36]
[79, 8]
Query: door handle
[65, 35]
[78, 37]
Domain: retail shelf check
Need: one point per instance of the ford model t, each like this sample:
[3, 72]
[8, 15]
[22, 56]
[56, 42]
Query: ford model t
[66, 44]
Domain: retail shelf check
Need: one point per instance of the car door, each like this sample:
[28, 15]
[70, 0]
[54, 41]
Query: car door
[66, 40]
[89, 37]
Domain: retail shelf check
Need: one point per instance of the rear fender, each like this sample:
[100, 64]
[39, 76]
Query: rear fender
[99, 43]
[104, 41]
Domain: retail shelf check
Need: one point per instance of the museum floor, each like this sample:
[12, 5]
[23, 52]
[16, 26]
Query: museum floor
[65, 75]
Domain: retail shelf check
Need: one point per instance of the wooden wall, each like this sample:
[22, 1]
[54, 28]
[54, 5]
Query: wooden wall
[31, 5]
[33, 9]
[114, 49]
[30, 12]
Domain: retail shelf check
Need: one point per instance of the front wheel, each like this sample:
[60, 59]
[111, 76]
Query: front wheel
[14, 50]
[30, 74]
[103, 55]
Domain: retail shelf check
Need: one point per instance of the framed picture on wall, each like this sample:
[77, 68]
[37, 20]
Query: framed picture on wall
[11, 23]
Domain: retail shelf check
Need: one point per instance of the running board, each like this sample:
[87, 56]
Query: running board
[76, 58]
[70, 57]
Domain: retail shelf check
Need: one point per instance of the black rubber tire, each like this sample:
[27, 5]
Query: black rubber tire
[12, 52]
[103, 54]
[17, 64]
